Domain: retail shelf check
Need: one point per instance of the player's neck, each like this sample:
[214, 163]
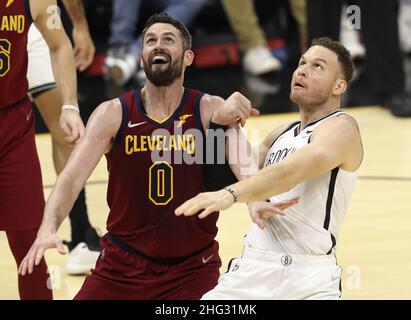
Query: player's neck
[310, 113]
[163, 100]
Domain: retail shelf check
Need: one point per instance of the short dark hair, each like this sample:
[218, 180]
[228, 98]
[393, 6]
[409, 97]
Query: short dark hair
[344, 56]
[165, 18]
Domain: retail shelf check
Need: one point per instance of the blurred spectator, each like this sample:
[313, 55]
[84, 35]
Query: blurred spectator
[299, 11]
[379, 24]
[123, 56]
[257, 59]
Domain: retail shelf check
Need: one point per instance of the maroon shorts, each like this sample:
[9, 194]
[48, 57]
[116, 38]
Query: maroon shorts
[21, 188]
[122, 275]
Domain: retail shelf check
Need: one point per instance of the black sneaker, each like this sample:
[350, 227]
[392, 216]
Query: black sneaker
[92, 239]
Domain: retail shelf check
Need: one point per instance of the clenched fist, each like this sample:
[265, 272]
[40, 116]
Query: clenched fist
[237, 108]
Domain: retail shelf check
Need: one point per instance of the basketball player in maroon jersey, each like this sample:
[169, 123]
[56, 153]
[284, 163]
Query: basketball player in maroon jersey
[21, 191]
[148, 252]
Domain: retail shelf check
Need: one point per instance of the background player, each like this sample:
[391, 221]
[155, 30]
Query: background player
[21, 190]
[316, 159]
[148, 253]
[84, 246]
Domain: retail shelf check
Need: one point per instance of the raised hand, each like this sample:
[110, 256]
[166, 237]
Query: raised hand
[237, 108]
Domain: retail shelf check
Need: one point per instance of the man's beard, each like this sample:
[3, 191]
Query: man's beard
[163, 77]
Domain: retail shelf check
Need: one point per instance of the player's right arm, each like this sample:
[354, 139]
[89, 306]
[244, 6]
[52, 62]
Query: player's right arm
[336, 143]
[97, 140]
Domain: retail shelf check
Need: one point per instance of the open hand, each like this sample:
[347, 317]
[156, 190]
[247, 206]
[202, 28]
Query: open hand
[262, 209]
[36, 252]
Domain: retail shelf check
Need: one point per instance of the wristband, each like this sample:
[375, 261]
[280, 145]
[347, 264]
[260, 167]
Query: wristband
[70, 107]
[233, 193]
[215, 126]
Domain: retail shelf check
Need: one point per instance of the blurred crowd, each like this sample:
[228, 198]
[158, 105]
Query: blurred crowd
[377, 33]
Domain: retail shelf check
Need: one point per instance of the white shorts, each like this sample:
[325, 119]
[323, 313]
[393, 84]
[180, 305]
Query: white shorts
[263, 275]
[39, 72]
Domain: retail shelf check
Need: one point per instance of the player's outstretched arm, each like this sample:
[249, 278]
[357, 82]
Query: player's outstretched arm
[335, 143]
[101, 129]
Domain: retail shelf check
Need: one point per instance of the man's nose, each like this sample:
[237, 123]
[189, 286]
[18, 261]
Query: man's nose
[159, 44]
[302, 71]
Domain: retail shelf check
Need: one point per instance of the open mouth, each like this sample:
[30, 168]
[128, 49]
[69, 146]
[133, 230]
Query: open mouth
[159, 59]
[298, 85]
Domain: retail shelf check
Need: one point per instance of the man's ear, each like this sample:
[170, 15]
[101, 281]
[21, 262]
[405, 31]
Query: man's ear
[340, 87]
[188, 57]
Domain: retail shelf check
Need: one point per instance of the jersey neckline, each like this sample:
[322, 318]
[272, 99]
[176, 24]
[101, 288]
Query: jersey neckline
[165, 121]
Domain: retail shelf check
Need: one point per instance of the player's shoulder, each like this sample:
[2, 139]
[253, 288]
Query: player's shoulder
[109, 108]
[341, 121]
[342, 127]
[211, 101]
[106, 118]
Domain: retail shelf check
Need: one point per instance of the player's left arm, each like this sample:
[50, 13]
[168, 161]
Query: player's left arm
[47, 20]
[335, 143]
[232, 113]
[84, 49]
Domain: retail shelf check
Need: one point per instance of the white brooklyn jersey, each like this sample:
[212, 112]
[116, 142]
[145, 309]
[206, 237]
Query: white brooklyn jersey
[312, 225]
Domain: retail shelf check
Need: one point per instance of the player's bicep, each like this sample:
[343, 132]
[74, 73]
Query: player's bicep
[46, 15]
[329, 149]
[310, 161]
[100, 130]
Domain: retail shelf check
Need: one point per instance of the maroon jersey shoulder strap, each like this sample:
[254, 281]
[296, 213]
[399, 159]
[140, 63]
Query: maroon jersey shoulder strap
[126, 101]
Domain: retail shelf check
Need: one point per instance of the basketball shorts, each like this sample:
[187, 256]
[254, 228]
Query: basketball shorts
[122, 275]
[21, 188]
[39, 71]
[263, 275]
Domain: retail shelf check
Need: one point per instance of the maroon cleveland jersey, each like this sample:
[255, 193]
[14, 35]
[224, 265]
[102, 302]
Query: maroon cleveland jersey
[153, 168]
[15, 20]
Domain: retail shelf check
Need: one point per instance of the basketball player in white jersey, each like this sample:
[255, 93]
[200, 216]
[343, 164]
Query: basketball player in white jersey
[292, 256]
